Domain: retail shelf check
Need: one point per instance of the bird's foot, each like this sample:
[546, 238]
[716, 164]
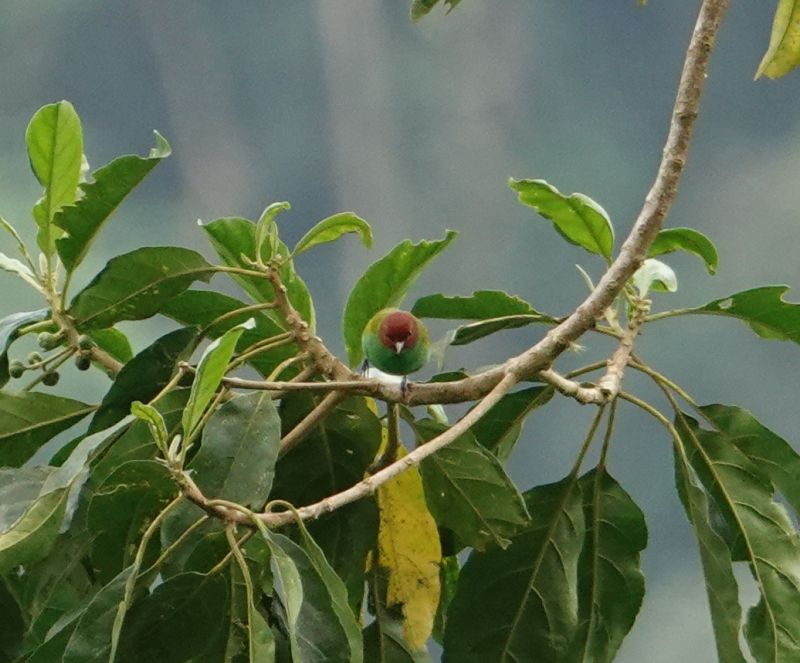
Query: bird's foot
[364, 368]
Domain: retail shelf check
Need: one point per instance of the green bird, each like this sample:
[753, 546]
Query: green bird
[395, 342]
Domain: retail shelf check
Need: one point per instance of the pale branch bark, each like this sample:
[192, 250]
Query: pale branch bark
[611, 383]
[311, 420]
[490, 386]
[571, 388]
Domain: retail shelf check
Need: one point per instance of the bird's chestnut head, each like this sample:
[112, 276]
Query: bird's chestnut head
[399, 330]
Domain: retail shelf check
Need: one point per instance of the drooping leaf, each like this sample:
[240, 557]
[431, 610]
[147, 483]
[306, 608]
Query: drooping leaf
[521, 603]
[55, 150]
[772, 455]
[769, 542]
[686, 239]
[236, 460]
[119, 510]
[783, 53]
[721, 587]
[155, 422]
[135, 285]
[384, 284]
[468, 492]
[9, 326]
[409, 551]
[144, 376]
[480, 305]
[234, 238]
[610, 580]
[762, 309]
[210, 370]
[178, 622]
[656, 276]
[114, 342]
[266, 226]
[316, 632]
[499, 429]
[577, 218]
[111, 184]
[203, 307]
[331, 229]
[29, 419]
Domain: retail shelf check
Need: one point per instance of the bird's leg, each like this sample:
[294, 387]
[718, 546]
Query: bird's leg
[404, 387]
[364, 367]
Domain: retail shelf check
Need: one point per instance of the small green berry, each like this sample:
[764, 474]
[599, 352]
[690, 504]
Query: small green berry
[50, 378]
[82, 362]
[34, 358]
[48, 341]
[85, 342]
[16, 369]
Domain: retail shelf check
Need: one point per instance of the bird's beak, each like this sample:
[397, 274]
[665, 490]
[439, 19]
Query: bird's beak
[399, 346]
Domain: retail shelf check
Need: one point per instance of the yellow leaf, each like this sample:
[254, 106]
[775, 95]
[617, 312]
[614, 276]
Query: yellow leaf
[408, 547]
[783, 53]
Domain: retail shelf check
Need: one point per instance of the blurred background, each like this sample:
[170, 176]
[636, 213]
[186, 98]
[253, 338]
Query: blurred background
[339, 106]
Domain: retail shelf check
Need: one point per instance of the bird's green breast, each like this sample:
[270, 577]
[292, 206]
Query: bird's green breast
[387, 360]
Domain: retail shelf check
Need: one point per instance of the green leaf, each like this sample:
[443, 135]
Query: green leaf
[338, 594]
[476, 330]
[155, 422]
[783, 53]
[316, 629]
[50, 588]
[499, 429]
[236, 460]
[762, 309]
[769, 542]
[31, 511]
[29, 419]
[721, 587]
[468, 492]
[9, 326]
[114, 342]
[772, 455]
[332, 228]
[178, 622]
[420, 8]
[101, 197]
[90, 641]
[35, 501]
[610, 580]
[519, 604]
[136, 285]
[384, 284]
[480, 305]
[203, 307]
[235, 239]
[689, 240]
[210, 370]
[266, 226]
[144, 376]
[577, 218]
[121, 508]
[55, 151]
